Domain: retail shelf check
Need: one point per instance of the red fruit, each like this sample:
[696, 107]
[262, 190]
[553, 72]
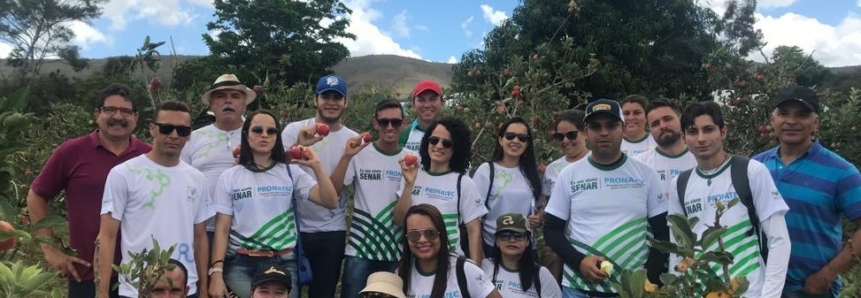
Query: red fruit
[257, 89]
[411, 159]
[296, 152]
[236, 151]
[154, 84]
[762, 129]
[322, 129]
[25, 219]
[758, 76]
[366, 137]
[8, 243]
[734, 102]
[712, 69]
[515, 93]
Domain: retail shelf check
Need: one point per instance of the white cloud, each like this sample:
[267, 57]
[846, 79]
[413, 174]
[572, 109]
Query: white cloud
[168, 13]
[465, 24]
[859, 3]
[369, 38]
[719, 6]
[86, 34]
[5, 50]
[452, 60]
[494, 17]
[399, 24]
[831, 45]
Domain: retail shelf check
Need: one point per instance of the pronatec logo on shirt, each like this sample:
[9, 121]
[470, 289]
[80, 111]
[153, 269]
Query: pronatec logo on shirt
[584, 185]
[267, 191]
[375, 175]
[515, 287]
[622, 182]
[394, 176]
[695, 206]
[439, 194]
[673, 173]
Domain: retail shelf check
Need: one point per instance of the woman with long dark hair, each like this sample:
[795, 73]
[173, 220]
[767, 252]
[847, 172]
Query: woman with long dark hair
[442, 182]
[509, 182]
[427, 267]
[255, 224]
[513, 264]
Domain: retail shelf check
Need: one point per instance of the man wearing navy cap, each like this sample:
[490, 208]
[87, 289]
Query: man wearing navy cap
[323, 231]
[271, 282]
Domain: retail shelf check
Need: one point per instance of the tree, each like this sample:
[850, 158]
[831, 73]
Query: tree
[40, 28]
[286, 40]
[807, 71]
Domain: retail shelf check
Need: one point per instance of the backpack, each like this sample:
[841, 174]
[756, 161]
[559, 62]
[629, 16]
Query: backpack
[461, 275]
[741, 183]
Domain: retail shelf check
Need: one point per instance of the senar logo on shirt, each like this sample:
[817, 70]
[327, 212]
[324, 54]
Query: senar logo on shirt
[369, 175]
[623, 182]
[239, 194]
[693, 206]
[583, 185]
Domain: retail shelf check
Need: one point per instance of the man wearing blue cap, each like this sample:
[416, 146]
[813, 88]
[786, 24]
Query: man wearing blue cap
[323, 231]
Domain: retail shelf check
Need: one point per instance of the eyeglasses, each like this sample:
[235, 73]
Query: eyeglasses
[166, 129]
[269, 130]
[108, 110]
[571, 135]
[429, 234]
[507, 236]
[522, 137]
[384, 122]
[445, 142]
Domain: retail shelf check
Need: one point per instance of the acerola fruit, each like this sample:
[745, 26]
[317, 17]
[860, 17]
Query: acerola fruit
[762, 129]
[236, 151]
[411, 159]
[366, 137]
[8, 243]
[296, 152]
[322, 129]
[257, 89]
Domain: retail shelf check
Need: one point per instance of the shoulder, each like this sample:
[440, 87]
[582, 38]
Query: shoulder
[141, 145]
[755, 167]
[762, 157]
[833, 159]
[646, 156]
[191, 171]
[79, 143]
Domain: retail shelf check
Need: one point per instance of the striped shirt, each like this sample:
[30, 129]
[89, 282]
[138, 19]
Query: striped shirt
[819, 187]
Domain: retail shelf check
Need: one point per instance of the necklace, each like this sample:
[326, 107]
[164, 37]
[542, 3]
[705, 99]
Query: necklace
[711, 172]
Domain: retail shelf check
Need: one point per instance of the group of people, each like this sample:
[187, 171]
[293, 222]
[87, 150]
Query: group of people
[420, 224]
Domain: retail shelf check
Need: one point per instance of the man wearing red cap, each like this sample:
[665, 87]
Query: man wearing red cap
[427, 105]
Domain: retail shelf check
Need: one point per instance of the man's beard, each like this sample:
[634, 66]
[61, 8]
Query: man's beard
[668, 138]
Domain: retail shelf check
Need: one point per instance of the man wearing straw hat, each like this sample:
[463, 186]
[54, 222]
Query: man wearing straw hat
[383, 285]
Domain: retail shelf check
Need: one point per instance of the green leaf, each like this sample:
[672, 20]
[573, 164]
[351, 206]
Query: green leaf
[732, 202]
[681, 230]
[48, 222]
[669, 278]
[7, 211]
[5, 235]
[16, 101]
[637, 282]
[711, 235]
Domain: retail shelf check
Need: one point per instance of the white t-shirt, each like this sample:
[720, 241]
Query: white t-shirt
[667, 166]
[377, 178]
[210, 150]
[477, 283]
[316, 218]
[440, 190]
[507, 282]
[414, 141]
[635, 147]
[551, 173]
[511, 193]
[701, 193]
[607, 208]
[261, 204]
[156, 202]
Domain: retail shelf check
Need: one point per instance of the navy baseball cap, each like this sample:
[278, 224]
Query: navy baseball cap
[603, 106]
[803, 95]
[332, 83]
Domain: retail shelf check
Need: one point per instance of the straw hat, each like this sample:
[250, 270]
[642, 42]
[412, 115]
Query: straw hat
[386, 283]
[229, 81]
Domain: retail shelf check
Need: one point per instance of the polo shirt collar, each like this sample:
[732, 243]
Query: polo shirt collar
[96, 142]
[811, 151]
[416, 126]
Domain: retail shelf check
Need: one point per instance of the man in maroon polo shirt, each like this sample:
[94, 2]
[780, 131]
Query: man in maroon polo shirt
[80, 167]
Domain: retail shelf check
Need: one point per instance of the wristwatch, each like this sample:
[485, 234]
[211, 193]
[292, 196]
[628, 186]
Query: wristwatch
[215, 270]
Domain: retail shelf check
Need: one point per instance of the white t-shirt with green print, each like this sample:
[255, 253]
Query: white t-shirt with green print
[636, 147]
[261, 204]
[511, 193]
[440, 190]
[668, 166]
[376, 177]
[210, 150]
[607, 208]
[551, 173]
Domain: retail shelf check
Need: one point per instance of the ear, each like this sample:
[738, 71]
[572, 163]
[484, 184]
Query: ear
[723, 132]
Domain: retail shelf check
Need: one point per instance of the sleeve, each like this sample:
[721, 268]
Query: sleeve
[559, 204]
[848, 193]
[54, 175]
[205, 210]
[549, 286]
[290, 134]
[302, 182]
[546, 182]
[478, 284]
[116, 194]
[656, 200]
[779, 250]
[766, 198]
[221, 196]
[471, 204]
[351, 170]
[481, 179]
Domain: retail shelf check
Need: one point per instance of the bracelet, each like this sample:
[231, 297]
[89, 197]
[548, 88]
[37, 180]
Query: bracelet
[215, 262]
[852, 250]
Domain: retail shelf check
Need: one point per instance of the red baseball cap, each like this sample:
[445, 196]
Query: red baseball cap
[426, 85]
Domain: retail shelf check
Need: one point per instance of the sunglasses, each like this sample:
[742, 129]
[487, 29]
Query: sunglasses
[571, 135]
[522, 137]
[269, 131]
[384, 122]
[429, 234]
[507, 236]
[445, 142]
[166, 129]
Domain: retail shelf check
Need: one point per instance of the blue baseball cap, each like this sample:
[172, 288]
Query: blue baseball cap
[332, 83]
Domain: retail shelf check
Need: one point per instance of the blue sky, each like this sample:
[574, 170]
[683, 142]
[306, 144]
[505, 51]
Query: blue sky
[442, 30]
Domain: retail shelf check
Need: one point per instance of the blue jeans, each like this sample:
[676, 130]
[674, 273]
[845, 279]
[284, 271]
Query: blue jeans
[356, 272]
[572, 293]
[240, 269]
[325, 252]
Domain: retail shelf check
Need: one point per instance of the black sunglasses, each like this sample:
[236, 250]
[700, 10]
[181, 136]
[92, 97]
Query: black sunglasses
[507, 236]
[269, 131]
[415, 235]
[445, 142]
[571, 135]
[166, 129]
[522, 137]
[384, 122]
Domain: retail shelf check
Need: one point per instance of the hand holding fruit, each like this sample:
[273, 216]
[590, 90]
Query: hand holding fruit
[310, 135]
[590, 269]
[355, 144]
[409, 168]
[236, 151]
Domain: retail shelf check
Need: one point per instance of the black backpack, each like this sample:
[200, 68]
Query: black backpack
[741, 183]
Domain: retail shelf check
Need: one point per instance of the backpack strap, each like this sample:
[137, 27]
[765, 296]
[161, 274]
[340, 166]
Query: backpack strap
[741, 183]
[461, 277]
[489, 186]
[459, 177]
[537, 282]
[681, 185]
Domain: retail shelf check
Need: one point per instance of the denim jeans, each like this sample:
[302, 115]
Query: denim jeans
[356, 272]
[572, 293]
[240, 269]
[325, 252]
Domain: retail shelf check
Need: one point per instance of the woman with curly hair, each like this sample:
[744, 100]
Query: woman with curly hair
[442, 182]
